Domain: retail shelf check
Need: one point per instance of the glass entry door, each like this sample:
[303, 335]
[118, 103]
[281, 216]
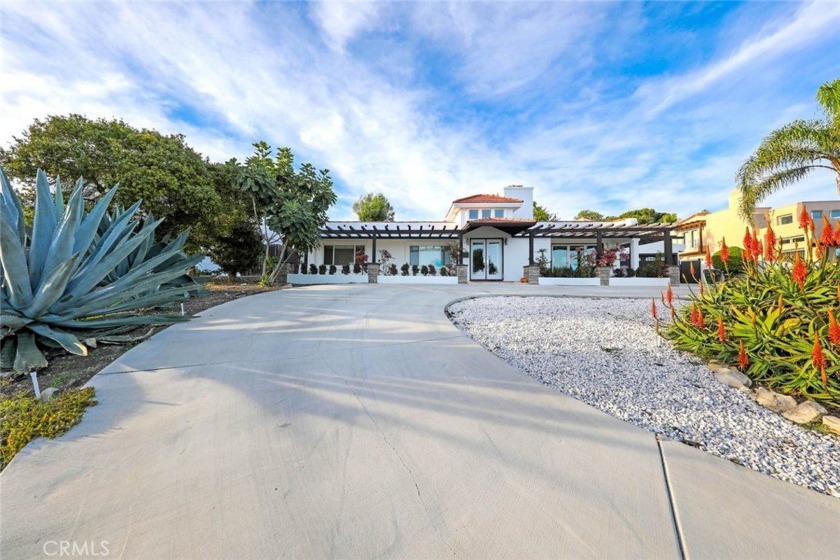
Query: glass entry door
[486, 259]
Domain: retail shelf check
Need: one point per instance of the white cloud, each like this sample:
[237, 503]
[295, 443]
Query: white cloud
[340, 22]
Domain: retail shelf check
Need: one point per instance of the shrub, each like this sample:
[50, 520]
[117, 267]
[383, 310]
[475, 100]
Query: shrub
[432, 270]
[322, 269]
[414, 269]
[357, 268]
[361, 258]
[25, 418]
[653, 269]
[444, 271]
[301, 268]
[735, 263]
[777, 322]
[404, 269]
[424, 270]
[239, 251]
[313, 269]
[630, 272]
[79, 275]
[345, 269]
[333, 269]
[392, 269]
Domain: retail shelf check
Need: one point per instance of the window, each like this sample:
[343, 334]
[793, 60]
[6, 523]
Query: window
[498, 213]
[784, 220]
[341, 254]
[436, 255]
[816, 214]
[835, 214]
[485, 213]
[473, 214]
[692, 239]
[570, 256]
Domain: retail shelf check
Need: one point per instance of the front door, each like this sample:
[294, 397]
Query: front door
[486, 260]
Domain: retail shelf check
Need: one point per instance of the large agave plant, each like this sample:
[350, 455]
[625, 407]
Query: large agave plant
[77, 275]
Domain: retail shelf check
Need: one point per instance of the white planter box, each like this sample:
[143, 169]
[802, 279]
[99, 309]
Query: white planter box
[338, 278]
[570, 281]
[418, 279]
[659, 282]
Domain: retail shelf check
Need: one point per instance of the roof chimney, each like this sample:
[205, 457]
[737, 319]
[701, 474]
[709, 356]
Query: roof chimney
[526, 195]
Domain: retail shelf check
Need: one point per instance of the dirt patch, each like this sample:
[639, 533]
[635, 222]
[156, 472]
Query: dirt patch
[68, 370]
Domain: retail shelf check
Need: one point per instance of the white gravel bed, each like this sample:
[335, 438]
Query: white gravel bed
[605, 353]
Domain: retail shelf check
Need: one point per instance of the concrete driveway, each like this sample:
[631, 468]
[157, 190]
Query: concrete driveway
[357, 422]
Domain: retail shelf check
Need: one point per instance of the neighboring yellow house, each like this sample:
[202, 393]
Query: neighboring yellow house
[708, 229]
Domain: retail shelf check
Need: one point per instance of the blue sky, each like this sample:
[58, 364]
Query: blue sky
[602, 105]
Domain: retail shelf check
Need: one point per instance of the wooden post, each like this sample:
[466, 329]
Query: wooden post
[599, 245]
[531, 249]
[668, 247]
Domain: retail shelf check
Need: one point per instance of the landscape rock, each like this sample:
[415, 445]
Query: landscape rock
[805, 413]
[733, 378]
[774, 401]
[48, 393]
[832, 424]
[606, 353]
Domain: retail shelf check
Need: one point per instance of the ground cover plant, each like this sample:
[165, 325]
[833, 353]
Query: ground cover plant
[776, 322]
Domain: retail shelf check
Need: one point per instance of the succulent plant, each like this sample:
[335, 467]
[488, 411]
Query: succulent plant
[79, 275]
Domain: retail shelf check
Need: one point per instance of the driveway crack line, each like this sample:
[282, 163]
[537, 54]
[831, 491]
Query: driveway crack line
[408, 469]
[675, 518]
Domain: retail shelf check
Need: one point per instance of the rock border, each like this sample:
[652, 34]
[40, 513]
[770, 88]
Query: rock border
[805, 412]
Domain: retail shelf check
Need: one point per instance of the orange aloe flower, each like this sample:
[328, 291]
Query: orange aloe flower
[743, 359]
[757, 246]
[653, 309]
[833, 328]
[721, 334]
[669, 296]
[805, 220]
[709, 256]
[836, 239]
[769, 243]
[799, 272]
[827, 236]
[818, 358]
[748, 244]
[724, 250]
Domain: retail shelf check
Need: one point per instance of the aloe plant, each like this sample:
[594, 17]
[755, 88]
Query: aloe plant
[78, 275]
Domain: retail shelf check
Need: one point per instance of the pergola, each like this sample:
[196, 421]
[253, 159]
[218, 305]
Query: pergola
[516, 228]
[647, 233]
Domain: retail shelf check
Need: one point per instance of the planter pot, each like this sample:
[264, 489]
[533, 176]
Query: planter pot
[308, 279]
[570, 281]
[659, 282]
[418, 279]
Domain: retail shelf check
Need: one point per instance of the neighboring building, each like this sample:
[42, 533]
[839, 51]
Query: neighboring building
[495, 235]
[709, 229]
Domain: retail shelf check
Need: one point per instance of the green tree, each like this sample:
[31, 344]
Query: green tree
[589, 215]
[171, 178]
[792, 152]
[239, 250]
[541, 214]
[374, 207]
[290, 205]
[647, 216]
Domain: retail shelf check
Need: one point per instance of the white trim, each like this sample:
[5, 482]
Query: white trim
[337, 278]
[662, 282]
[569, 281]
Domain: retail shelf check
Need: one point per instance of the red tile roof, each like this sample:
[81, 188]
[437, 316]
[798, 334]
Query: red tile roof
[486, 199]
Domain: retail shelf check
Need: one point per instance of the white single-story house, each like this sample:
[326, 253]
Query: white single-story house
[494, 237]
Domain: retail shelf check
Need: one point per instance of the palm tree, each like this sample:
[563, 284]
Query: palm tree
[790, 153]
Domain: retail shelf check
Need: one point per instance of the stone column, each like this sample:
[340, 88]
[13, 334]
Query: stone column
[373, 273]
[604, 273]
[674, 275]
[461, 270]
[532, 273]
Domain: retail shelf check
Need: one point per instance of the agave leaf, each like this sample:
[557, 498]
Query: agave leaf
[58, 200]
[7, 352]
[82, 284]
[14, 211]
[61, 247]
[13, 259]
[64, 339]
[119, 321]
[110, 238]
[122, 339]
[28, 357]
[43, 228]
[52, 288]
[13, 322]
[87, 231]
